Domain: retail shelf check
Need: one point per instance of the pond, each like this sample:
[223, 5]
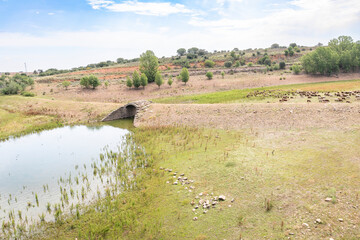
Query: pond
[36, 169]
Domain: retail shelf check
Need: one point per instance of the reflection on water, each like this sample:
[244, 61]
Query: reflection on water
[35, 168]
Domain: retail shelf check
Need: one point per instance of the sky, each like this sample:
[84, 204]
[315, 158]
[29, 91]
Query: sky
[70, 33]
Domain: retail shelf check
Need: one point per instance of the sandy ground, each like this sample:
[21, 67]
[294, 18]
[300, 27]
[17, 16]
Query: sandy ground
[117, 92]
[253, 115]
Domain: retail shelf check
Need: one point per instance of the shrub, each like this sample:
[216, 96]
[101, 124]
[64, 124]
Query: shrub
[28, 94]
[66, 84]
[223, 74]
[184, 75]
[228, 64]
[149, 65]
[323, 60]
[106, 84]
[158, 79]
[237, 64]
[89, 81]
[296, 68]
[209, 75]
[250, 64]
[276, 67]
[136, 79]
[143, 80]
[129, 82]
[170, 81]
[181, 51]
[209, 63]
[282, 65]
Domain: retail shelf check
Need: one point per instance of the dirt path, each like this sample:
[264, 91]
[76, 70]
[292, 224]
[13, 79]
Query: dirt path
[253, 116]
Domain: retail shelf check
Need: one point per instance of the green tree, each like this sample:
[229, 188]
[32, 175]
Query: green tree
[84, 81]
[275, 45]
[237, 64]
[181, 51]
[184, 75]
[158, 79]
[94, 81]
[296, 68]
[223, 74]
[136, 79]
[282, 65]
[106, 84]
[129, 82]
[170, 81]
[209, 63]
[143, 80]
[209, 75]
[292, 45]
[66, 84]
[149, 65]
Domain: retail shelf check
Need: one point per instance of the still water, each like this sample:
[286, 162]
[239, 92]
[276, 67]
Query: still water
[33, 167]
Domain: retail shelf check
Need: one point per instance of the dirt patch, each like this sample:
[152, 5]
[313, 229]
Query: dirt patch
[253, 116]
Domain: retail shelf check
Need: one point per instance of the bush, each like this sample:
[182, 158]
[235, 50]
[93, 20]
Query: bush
[323, 60]
[14, 85]
[282, 65]
[90, 81]
[136, 79]
[129, 82]
[276, 67]
[28, 94]
[143, 80]
[66, 84]
[170, 81]
[250, 64]
[228, 64]
[158, 79]
[209, 75]
[237, 64]
[296, 68]
[106, 84]
[184, 75]
[209, 63]
[223, 74]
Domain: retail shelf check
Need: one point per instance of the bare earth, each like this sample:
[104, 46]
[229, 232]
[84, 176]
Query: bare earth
[253, 115]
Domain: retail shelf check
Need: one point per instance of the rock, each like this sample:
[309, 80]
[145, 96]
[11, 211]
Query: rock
[200, 194]
[318, 221]
[194, 210]
[341, 220]
[167, 182]
[232, 200]
[290, 233]
[192, 187]
[214, 203]
[185, 178]
[305, 225]
[196, 207]
[201, 201]
[174, 173]
[182, 174]
[161, 168]
[175, 183]
[328, 199]
[195, 218]
[170, 170]
[222, 198]
[192, 203]
[204, 212]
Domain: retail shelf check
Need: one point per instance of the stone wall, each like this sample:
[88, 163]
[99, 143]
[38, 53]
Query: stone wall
[130, 110]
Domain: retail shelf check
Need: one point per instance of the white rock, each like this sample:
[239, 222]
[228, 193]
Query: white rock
[305, 225]
[195, 218]
[341, 220]
[222, 198]
[318, 221]
[328, 199]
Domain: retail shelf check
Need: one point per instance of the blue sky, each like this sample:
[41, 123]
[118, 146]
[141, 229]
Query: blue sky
[71, 33]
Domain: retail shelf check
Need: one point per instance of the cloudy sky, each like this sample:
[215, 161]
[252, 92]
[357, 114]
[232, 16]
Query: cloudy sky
[71, 33]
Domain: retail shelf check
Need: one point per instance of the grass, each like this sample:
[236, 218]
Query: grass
[274, 193]
[238, 96]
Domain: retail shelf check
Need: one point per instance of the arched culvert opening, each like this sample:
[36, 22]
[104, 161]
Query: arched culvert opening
[130, 111]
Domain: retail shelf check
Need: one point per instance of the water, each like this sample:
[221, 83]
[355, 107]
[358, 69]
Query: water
[38, 164]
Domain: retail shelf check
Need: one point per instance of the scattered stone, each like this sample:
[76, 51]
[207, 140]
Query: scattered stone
[167, 182]
[305, 225]
[192, 187]
[170, 170]
[341, 220]
[194, 210]
[222, 198]
[328, 199]
[195, 218]
[161, 168]
[204, 212]
[200, 194]
[192, 203]
[232, 200]
[291, 233]
[196, 207]
[174, 173]
[318, 221]
[182, 174]
[175, 183]
[185, 178]
[229, 205]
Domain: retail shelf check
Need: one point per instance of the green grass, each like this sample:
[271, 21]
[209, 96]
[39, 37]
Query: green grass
[279, 181]
[240, 95]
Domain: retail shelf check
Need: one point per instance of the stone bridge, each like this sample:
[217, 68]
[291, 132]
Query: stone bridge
[130, 110]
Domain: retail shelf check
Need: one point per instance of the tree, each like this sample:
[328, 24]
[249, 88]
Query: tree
[228, 64]
[136, 79]
[66, 84]
[237, 64]
[323, 60]
[184, 75]
[158, 79]
[209, 63]
[170, 81]
[292, 45]
[89, 81]
[149, 65]
[275, 45]
[106, 84]
[181, 51]
[209, 75]
[341, 43]
[193, 50]
[143, 80]
[223, 74]
[129, 82]
[84, 81]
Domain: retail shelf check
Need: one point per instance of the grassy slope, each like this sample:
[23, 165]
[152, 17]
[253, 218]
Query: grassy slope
[295, 170]
[234, 96]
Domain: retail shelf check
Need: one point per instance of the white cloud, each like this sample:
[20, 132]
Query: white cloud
[141, 8]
